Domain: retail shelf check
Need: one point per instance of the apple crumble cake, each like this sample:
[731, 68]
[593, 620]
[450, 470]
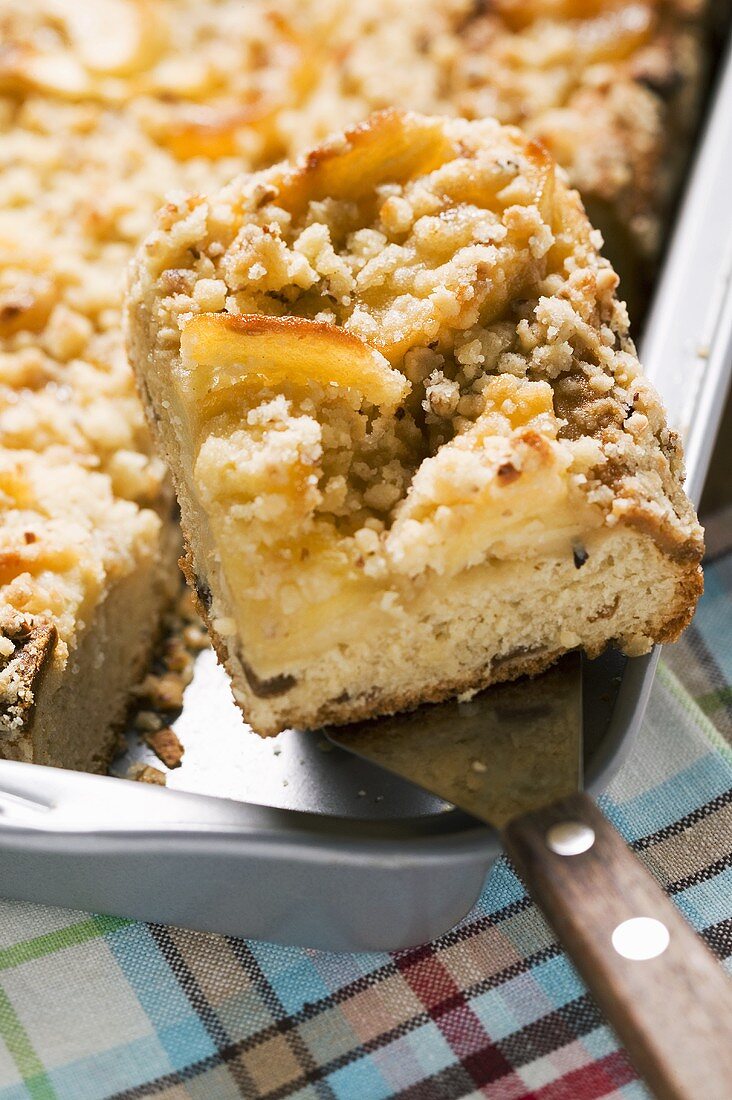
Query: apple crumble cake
[411, 443]
[105, 105]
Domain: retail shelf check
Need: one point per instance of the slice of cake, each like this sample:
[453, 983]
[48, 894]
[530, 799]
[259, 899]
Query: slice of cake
[412, 446]
[81, 575]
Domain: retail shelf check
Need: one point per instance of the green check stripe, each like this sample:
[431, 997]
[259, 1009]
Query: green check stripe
[715, 699]
[90, 929]
[695, 710]
[23, 1054]
[12, 1032]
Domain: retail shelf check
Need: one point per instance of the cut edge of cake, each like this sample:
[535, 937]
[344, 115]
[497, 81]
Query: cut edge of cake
[333, 694]
[81, 613]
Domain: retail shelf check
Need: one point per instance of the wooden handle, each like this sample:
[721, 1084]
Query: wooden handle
[671, 1007]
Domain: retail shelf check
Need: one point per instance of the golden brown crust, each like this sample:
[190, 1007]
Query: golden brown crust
[30, 641]
[691, 588]
[340, 713]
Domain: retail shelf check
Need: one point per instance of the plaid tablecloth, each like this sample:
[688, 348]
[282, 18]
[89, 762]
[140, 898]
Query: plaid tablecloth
[93, 1007]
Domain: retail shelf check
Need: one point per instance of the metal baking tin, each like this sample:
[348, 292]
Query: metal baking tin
[290, 840]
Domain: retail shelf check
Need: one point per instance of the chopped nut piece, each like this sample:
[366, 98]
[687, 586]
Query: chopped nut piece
[146, 773]
[148, 721]
[165, 744]
[164, 691]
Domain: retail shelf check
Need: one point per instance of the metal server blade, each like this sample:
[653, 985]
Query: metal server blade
[509, 750]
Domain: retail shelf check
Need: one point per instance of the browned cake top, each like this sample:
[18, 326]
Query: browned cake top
[607, 84]
[415, 282]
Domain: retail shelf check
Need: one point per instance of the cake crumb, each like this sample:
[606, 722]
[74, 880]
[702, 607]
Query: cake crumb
[146, 773]
[165, 692]
[166, 745]
[147, 721]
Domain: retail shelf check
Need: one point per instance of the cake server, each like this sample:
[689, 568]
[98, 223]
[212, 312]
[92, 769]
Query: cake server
[512, 757]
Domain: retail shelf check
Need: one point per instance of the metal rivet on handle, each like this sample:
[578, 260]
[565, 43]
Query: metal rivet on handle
[570, 838]
[641, 938]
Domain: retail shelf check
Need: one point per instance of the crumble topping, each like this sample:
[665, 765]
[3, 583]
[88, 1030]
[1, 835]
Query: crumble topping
[63, 537]
[601, 84]
[495, 407]
[26, 646]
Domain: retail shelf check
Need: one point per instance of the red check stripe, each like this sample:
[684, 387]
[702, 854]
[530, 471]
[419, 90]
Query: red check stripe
[447, 1005]
[591, 1082]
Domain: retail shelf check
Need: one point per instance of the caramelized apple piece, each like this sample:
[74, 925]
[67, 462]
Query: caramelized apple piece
[390, 146]
[582, 33]
[26, 303]
[101, 39]
[219, 351]
[216, 132]
[59, 74]
[112, 37]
